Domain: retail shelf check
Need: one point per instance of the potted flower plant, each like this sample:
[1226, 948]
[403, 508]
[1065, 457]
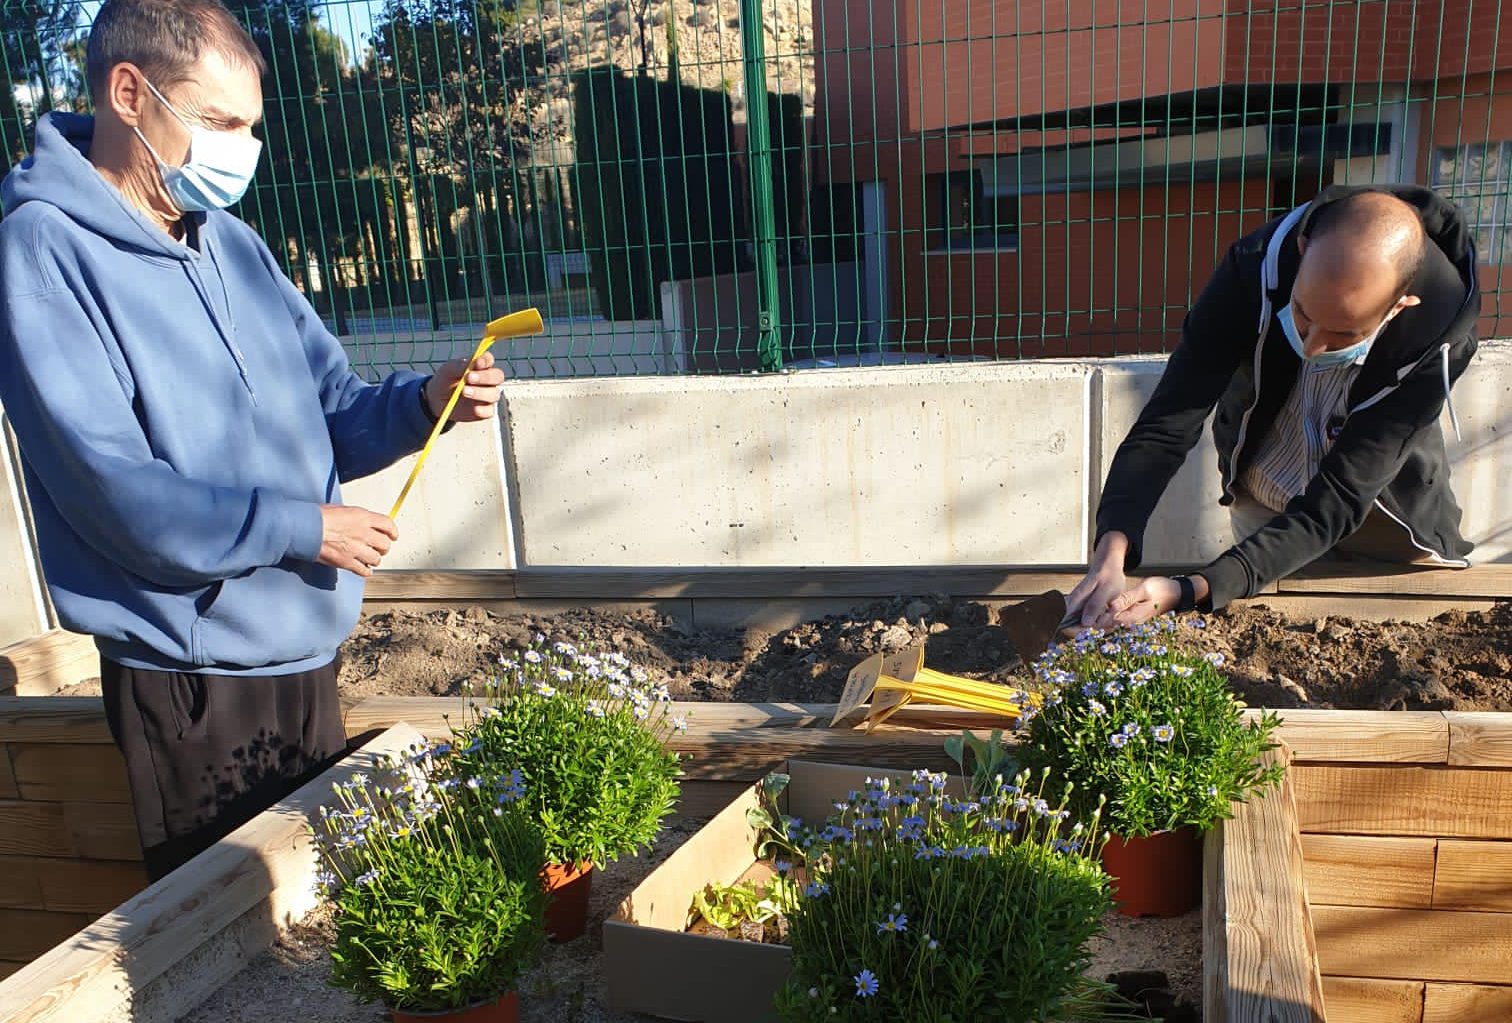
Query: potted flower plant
[433, 870]
[923, 907]
[589, 734]
[1138, 717]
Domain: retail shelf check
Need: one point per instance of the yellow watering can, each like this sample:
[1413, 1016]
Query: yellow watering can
[520, 324]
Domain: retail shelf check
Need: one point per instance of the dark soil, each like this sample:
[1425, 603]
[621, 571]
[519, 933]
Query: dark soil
[1458, 661]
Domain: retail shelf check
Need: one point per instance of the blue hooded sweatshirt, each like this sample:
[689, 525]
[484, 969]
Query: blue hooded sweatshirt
[182, 415]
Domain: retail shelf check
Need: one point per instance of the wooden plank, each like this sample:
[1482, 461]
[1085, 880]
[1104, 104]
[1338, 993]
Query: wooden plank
[8, 967]
[46, 663]
[1474, 875]
[54, 772]
[76, 719]
[68, 885]
[1467, 1003]
[1414, 944]
[1364, 736]
[34, 829]
[268, 859]
[1272, 962]
[1448, 802]
[1488, 581]
[1355, 1000]
[8, 787]
[1360, 1000]
[1480, 739]
[1215, 948]
[421, 584]
[724, 742]
[791, 583]
[1356, 870]
[1369, 607]
[102, 831]
[27, 933]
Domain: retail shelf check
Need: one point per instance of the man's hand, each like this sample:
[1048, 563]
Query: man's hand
[1103, 582]
[355, 539]
[480, 396]
[1153, 596]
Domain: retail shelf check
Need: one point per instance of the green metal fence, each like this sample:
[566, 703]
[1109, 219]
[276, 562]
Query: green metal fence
[740, 185]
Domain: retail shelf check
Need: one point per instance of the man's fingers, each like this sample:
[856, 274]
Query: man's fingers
[486, 377]
[385, 525]
[484, 361]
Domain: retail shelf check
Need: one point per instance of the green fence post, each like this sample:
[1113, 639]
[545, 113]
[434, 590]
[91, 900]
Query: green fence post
[763, 212]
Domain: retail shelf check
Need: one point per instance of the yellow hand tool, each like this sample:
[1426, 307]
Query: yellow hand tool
[892, 681]
[519, 324]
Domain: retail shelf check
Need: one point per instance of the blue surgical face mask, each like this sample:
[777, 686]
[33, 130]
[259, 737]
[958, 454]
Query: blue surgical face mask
[1338, 357]
[217, 171]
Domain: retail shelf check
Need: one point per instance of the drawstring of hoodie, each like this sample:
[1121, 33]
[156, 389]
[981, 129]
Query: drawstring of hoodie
[1448, 399]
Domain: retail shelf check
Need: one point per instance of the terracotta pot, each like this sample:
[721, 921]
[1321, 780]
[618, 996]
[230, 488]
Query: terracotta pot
[569, 886]
[504, 1009]
[1156, 875]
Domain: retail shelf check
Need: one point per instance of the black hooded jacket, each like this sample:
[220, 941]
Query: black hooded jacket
[1388, 451]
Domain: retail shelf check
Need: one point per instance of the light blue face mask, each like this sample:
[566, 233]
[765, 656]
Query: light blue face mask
[217, 171]
[1339, 357]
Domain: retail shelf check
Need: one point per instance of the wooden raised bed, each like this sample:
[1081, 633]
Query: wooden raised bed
[1375, 883]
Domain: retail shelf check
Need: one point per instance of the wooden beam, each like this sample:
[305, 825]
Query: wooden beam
[1355, 1000]
[591, 584]
[1215, 947]
[75, 719]
[57, 772]
[102, 831]
[1480, 739]
[1475, 876]
[68, 885]
[1272, 963]
[1364, 736]
[1448, 802]
[1467, 1003]
[27, 933]
[1485, 581]
[44, 664]
[8, 786]
[441, 586]
[112, 959]
[1353, 870]
[1414, 944]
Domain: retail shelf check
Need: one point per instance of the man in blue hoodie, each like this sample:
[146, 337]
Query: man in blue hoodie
[185, 421]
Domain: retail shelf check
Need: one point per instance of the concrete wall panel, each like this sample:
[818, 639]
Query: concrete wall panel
[968, 464]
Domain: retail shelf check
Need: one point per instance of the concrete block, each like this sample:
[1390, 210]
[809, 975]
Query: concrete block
[1481, 464]
[457, 515]
[938, 465]
[23, 613]
[1188, 527]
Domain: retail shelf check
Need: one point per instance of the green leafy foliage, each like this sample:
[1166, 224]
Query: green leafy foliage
[727, 906]
[1142, 719]
[434, 870]
[927, 908]
[590, 737]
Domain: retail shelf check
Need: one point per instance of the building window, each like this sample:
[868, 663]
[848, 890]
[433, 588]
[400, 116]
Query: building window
[967, 215]
[1479, 178]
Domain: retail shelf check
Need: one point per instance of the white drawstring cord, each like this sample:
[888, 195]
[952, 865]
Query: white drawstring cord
[1444, 369]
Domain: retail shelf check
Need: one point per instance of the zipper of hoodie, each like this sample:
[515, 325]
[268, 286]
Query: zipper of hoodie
[227, 329]
[1270, 274]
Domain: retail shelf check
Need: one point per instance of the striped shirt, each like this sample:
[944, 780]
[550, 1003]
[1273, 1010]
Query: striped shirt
[1289, 456]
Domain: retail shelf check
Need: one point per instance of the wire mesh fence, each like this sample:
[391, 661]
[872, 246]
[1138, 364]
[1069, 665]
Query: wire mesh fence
[735, 185]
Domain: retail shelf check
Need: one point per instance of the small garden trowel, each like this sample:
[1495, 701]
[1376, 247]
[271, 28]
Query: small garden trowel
[1032, 625]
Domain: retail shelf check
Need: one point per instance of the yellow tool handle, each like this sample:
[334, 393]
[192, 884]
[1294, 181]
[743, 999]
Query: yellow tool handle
[970, 685]
[520, 324]
[955, 698]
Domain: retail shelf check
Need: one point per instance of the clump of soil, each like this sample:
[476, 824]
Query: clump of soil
[1458, 660]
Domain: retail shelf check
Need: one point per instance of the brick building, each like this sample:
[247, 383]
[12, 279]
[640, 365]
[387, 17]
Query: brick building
[1060, 178]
